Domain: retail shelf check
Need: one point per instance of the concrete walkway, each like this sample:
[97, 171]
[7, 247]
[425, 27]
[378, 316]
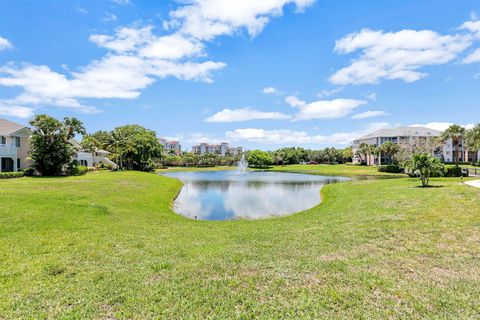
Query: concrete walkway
[474, 183]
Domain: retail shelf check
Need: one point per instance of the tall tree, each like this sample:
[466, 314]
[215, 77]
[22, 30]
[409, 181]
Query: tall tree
[51, 151]
[389, 149]
[258, 158]
[472, 138]
[456, 133]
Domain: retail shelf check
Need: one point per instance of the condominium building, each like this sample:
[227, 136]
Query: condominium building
[14, 146]
[171, 146]
[411, 139]
[222, 149]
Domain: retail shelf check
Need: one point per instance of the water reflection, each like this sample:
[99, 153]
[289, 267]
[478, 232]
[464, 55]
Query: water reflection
[226, 195]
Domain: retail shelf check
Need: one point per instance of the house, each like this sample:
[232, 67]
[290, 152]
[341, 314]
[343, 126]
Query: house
[222, 149]
[14, 146]
[171, 146]
[91, 159]
[413, 138]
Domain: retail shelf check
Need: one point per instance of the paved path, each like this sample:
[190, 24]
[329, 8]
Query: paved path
[474, 183]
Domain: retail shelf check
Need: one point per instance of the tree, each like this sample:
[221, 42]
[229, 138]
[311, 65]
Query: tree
[472, 138]
[364, 150]
[258, 158]
[135, 147]
[347, 154]
[426, 165]
[389, 149]
[456, 133]
[51, 151]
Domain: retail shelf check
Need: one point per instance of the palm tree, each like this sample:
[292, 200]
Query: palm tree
[472, 138]
[389, 149]
[456, 133]
[426, 165]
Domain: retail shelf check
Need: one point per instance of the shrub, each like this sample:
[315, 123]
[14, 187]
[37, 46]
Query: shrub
[453, 171]
[28, 172]
[390, 168]
[11, 175]
[78, 170]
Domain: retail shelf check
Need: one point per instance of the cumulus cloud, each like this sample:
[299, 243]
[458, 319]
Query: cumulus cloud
[323, 109]
[369, 114]
[396, 55]
[473, 57]
[287, 136]
[245, 114]
[5, 44]
[269, 90]
[207, 19]
[137, 57]
[15, 111]
[440, 126]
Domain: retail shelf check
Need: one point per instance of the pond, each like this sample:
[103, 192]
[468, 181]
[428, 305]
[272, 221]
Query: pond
[229, 195]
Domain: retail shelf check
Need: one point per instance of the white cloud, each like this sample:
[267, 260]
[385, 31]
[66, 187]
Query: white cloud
[441, 126]
[328, 93]
[323, 109]
[473, 57]
[109, 17]
[121, 2]
[269, 90]
[372, 96]
[15, 111]
[137, 57]
[287, 136]
[369, 114]
[472, 26]
[5, 44]
[245, 114]
[207, 19]
[395, 55]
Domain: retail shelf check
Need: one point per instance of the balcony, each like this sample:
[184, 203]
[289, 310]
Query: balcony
[8, 151]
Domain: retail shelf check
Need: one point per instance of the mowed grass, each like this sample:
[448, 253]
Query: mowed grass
[108, 246]
[337, 169]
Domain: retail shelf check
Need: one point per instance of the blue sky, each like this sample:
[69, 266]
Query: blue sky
[259, 74]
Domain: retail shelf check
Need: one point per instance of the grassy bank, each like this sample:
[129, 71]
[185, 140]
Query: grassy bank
[337, 169]
[107, 245]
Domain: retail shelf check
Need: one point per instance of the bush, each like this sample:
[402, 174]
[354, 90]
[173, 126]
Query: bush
[390, 168]
[78, 170]
[11, 175]
[453, 171]
[28, 172]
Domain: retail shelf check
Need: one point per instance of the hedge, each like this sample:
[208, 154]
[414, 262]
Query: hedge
[390, 168]
[453, 171]
[11, 175]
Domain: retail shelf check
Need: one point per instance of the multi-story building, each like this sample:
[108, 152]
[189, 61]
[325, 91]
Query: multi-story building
[14, 146]
[222, 149]
[171, 146]
[414, 138]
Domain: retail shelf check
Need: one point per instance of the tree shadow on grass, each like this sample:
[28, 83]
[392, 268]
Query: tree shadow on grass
[429, 187]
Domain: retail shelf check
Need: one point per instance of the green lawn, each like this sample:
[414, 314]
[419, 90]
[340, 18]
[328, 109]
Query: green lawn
[107, 246]
[337, 169]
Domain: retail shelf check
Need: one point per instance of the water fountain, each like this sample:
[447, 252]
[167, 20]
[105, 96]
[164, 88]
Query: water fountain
[242, 165]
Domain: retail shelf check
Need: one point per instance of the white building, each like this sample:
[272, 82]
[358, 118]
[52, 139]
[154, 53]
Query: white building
[413, 138]
[222, 149]
[171, 146]
[91, 159]
[14, 146]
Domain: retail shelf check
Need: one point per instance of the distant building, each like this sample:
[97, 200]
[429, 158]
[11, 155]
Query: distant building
[413, 138]
[14, 146]
[171, 146]
[221, 149]
[91, 159]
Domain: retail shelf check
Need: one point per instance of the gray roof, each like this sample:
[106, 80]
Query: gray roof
[7, 127]
[403, 132]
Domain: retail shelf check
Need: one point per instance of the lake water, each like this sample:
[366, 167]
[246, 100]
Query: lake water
[228, 195]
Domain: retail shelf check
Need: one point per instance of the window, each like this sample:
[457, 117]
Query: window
[17, 142]
[18, 164]
[3, 140]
